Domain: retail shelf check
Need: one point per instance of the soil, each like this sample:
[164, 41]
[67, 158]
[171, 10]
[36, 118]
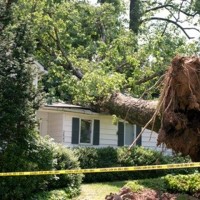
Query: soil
[147, 194]
[179, 107]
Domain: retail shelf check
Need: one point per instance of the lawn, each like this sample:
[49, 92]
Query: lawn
[98, 191]
[142, 188]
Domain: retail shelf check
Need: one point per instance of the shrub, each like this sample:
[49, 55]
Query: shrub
[63, 194]
[65, 159]
[17, 157]
[183, 183]
[91, 157]
[39, 154]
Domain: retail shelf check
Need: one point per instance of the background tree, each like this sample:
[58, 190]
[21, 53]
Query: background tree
[21, 149]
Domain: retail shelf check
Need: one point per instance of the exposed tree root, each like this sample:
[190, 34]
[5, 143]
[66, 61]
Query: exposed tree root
[180, 107]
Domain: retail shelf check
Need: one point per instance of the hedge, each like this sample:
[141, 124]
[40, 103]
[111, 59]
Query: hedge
[91, 157]
[183, 183]
[41, 154]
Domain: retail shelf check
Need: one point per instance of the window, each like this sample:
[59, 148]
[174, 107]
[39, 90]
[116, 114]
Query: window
[86, 131]
[129, 134]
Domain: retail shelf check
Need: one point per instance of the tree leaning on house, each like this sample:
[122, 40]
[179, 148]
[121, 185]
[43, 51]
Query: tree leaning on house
[94, 60]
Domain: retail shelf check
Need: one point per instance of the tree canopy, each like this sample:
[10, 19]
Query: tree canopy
[90, 52]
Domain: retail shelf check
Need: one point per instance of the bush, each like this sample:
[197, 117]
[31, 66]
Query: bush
[183, 183]
[37, 154]
[91, 157]
[65, 159]
[63, 194]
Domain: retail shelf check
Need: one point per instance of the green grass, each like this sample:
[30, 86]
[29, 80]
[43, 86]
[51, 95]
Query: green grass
[155, 184]
[98, 191]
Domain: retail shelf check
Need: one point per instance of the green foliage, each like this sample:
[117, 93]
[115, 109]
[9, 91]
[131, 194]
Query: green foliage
[90, 157]
[19, 99]
[75, 36]
[134, 186]
[42, 154]
[183, 183]
[96, 85]
[196, 6]
[52, 195]
[39, 156]
[151, 183]
[65, 159]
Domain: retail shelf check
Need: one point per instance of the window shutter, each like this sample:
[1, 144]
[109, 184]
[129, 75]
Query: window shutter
[75, 130]
[138, 130]
[120, 134]
[96, 132]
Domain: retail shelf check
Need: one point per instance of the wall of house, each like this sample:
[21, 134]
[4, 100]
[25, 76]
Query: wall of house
[43, 122]
[51, 123]
[59, 126]
[108, 132]
[149, 140]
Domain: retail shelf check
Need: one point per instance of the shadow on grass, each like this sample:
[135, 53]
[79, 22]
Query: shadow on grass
[116, 183]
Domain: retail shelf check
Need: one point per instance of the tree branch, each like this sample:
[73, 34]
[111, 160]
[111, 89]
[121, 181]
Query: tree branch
[69, 65]
[75, 71]
[150, 77]
[169, 21]
[171, 6]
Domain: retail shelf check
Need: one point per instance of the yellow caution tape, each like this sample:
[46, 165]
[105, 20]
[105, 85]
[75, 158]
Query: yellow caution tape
[100, 170]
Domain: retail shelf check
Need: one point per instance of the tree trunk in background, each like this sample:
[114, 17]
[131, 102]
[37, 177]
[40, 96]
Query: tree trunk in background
[134, 16]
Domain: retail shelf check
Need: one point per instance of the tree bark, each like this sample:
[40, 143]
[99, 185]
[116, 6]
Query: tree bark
[133, 110]
[134, 16]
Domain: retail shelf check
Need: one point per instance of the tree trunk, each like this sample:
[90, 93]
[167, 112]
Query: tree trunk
[133, 110]
[134, 16]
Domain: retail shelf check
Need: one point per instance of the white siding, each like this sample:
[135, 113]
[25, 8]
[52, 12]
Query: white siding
[43, 122]
[55, 126]
[149, 140]
[108, 131]
[67, 124]
[58, 125]
[51, 123]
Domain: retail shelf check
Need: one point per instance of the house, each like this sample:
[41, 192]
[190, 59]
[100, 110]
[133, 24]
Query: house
[74, 125]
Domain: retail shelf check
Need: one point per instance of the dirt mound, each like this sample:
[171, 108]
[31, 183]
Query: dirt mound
[179, 107]
[146, 194]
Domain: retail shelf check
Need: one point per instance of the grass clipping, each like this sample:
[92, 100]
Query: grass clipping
[179, 107]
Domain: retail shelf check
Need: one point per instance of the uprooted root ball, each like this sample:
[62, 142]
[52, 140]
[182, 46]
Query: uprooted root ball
[180, 107]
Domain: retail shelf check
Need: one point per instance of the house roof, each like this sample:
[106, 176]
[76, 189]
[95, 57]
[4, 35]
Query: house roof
[63, 107]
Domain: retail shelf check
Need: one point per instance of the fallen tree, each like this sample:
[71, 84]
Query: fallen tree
[176, 116]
